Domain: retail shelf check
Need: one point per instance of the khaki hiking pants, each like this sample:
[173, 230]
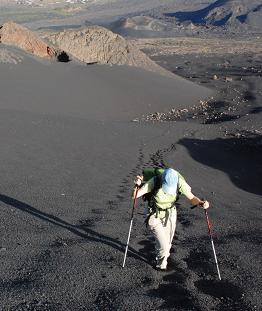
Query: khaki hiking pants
[163, 231]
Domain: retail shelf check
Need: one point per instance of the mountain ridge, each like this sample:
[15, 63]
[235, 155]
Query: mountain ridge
[220, 17]
[231, 13]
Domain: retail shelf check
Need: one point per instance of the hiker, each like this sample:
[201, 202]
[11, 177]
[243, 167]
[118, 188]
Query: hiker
[162, 214]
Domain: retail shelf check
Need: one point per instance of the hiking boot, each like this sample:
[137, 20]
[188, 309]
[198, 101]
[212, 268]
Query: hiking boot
[162, 269]
[161, 264]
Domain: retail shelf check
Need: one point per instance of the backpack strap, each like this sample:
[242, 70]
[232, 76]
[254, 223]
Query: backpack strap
[157, 186]
[154, 209]
[157, 183]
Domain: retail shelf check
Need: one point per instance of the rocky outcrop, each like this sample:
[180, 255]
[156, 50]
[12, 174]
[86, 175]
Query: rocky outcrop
[95, 44]
[17, 35]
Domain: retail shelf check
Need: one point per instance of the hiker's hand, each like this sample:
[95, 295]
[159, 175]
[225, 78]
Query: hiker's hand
[195, 201]
[138, 180]
[204, 204]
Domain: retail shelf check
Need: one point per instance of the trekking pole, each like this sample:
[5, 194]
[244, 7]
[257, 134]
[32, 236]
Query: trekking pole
[211, 238]
[131, 223]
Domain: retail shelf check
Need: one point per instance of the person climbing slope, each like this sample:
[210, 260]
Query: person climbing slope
[162, 214]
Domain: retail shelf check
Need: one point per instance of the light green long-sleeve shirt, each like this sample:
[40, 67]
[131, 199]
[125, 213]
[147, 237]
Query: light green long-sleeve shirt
[164, 200]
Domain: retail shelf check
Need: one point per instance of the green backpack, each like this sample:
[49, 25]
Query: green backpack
[155, 173]
[149, 173]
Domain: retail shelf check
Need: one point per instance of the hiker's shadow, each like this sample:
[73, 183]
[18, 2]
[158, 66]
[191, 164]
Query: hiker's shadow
[148, 247]
[80, 230]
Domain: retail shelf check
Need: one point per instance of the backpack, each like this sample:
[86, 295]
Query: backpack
[155, 173]
[149, 173]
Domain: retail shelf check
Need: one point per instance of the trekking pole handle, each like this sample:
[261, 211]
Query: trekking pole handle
[134, 200]
[196, 205]
[135, 196]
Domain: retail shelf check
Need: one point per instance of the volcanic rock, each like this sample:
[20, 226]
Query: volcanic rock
[17, 35]
[95, 44]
